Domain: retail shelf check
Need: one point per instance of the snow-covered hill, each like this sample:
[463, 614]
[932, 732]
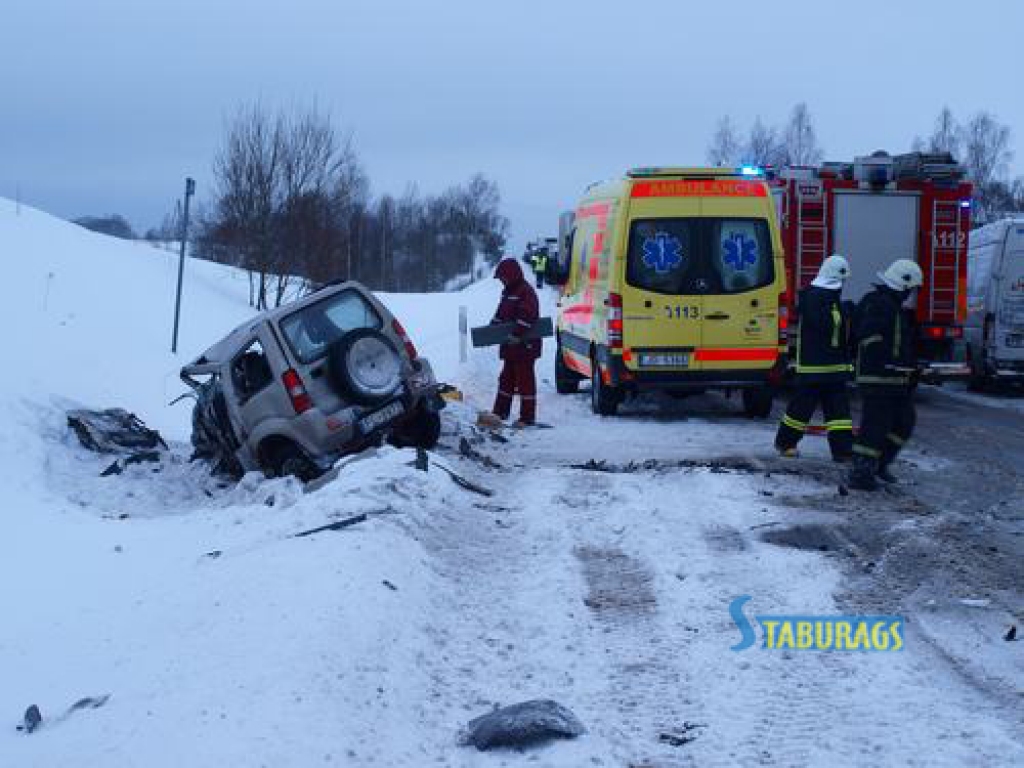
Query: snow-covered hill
[267, 653]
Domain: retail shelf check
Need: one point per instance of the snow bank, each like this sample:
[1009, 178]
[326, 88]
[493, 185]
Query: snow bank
[219, 636]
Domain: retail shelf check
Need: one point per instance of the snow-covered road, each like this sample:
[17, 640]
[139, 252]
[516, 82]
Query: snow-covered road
[609, 591]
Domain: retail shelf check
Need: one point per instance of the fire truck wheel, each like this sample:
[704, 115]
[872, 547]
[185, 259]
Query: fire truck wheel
[978, 379]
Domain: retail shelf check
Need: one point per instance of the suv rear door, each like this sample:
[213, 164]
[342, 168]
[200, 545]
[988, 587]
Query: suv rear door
[309, 332]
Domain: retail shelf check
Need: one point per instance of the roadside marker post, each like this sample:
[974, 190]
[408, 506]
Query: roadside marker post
[463, 334]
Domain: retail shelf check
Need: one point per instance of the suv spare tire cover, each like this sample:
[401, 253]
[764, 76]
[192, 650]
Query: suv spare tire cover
[365, 365]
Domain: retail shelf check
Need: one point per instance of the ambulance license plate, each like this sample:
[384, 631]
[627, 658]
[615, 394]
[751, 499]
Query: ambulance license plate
[1015, 340]
[664, 359]
[378, 419]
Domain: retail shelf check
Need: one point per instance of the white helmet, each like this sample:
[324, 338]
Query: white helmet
[835, 267]
[902, 275]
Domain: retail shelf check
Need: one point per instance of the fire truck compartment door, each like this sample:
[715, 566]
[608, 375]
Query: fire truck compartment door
[873, 229]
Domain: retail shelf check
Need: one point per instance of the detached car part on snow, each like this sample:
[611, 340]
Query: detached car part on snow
[297, 387]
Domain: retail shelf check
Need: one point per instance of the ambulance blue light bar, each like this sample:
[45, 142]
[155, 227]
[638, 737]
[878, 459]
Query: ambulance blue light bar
[751, 170]
[965, 203]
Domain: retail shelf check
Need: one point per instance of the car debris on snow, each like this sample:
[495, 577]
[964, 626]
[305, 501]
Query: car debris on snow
[113, 430]
[681, 736]
[471, 453]
[528, 723]
[336, 526]
[116, 431]
[32, 720]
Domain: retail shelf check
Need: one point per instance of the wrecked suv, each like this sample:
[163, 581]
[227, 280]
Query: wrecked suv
[296, 387]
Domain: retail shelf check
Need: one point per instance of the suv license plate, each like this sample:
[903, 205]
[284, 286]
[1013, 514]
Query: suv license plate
[664, 359]
[1015, 339]
[378, 419]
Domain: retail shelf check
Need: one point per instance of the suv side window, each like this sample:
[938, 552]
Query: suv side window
[250, 371]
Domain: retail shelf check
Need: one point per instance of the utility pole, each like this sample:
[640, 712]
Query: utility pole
[383, 242]
[190, 189]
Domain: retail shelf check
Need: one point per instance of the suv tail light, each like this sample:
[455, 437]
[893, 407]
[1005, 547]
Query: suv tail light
[301, 401]
[410, 348]
[614, 303]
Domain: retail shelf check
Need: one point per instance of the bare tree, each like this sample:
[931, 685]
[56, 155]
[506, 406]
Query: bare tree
[946, 137]
[725, 148]
[799, 141]
[987, 156]
[763, 146]
[287, 185]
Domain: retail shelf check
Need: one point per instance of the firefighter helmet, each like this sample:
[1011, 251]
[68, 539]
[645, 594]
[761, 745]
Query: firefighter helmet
[902, 275]
[835, 267]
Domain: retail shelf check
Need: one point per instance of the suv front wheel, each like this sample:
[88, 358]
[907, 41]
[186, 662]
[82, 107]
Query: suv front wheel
[289, 460]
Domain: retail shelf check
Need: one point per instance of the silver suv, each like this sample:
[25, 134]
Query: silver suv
[296, 387]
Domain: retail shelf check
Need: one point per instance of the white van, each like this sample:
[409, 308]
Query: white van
[994, 331]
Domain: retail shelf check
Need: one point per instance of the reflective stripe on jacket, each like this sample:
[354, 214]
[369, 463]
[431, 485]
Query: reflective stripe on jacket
[885, 339]
[822, 351]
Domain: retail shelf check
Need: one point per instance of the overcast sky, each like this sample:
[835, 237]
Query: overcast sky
[108, 104]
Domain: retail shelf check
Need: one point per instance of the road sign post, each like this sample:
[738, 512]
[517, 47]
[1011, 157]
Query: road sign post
[190, 189]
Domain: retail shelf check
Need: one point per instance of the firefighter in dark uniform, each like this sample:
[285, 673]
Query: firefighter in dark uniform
[823, 365]
[518, 305]
[886, 371]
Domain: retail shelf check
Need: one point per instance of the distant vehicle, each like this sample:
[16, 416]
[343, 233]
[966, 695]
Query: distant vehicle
[994, 332]
[672, 280]
[876, 209]
[546, 245]
[291, 390]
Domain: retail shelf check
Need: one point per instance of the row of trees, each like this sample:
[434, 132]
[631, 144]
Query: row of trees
[981, 145]
[794, 143]
[112, 224]
[292, 206]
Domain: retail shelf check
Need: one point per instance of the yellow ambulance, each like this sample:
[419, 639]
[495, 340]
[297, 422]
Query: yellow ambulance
[672, 279]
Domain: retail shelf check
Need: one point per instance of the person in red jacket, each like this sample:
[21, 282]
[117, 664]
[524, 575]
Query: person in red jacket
[518, 305]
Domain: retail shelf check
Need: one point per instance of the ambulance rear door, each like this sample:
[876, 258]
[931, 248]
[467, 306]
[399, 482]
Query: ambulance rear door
[745, 279]
[662, 305]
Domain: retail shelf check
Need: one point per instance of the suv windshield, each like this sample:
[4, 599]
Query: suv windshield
[701, 255]
[312, 329]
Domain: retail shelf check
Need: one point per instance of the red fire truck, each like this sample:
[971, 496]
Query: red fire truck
[874, 210]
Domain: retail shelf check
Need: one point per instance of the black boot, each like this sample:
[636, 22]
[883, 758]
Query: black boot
[885, 464]
[885, 475]
[862, 476]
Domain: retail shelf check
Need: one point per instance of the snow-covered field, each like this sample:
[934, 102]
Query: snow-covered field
[223, 641]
